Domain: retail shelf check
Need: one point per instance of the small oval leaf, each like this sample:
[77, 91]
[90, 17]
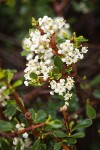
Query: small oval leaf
[57, 146]
[59, 134]
[90, 111]
[5, 126]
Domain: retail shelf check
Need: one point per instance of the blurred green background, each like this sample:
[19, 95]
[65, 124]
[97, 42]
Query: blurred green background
[83, 17]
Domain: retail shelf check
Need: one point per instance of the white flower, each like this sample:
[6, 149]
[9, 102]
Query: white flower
[3, 88]
[29, 56]
[52, 92]
[15, 141]
[84, 49]
[25, 135]
[67, 96]
[18, 126]
[26, 83]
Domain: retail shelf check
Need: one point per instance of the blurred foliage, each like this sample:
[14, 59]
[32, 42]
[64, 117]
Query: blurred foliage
[17, 14]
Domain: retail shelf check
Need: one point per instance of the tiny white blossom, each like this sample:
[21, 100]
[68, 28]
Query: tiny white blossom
[25, 135]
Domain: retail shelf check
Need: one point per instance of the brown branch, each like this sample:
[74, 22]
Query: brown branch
[26, 114]
[6, 135]
[16, 133]
[18, 101]
[66, 122]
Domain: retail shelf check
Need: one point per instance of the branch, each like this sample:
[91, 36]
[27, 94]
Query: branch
[16, 133]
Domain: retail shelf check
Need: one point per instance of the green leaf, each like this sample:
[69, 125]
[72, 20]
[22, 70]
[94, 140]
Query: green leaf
[95, 81]
[83, 124]
[17, 83]
[65, 35]
[5, 145]
[90, 111]
[59, 134]
[36, 145]
[18, 147]
[5, 126]
[57, 146]
[24, 53]
[41, 115]
[70, 140]
[96, 93]
[33, 75]
[43, 146]
[58, 62]
[81, 39]
[55, 70]
[10, 76]
[34, 22]
[60, 40]
[2, 73]
[68, 70]
[10, 111]
[71, 124]
[78, 135]
[55, 124]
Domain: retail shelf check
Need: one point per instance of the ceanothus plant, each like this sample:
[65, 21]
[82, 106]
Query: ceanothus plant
[52, 53]
[50, 57]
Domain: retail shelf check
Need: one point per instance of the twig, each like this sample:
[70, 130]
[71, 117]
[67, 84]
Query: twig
[16, 133]
[6, 135]
[22, 108]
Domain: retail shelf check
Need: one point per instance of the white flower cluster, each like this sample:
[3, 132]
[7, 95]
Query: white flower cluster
[49, 25]
[3, 96]
[65, 29]
[41, 54]
[62, 88]
[20, 127]
[69, 54]
[24, 143]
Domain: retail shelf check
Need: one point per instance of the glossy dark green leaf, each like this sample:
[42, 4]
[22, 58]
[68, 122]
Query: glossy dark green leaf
[41, 115]
[36, 145]
[55, 124]
[58, 62]
[83, 124]
[10, 111]
[57, 146]
[33, 75]
[90, 111]
[5, 126]
[59, 134]
[78, 135]
[71, 140]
